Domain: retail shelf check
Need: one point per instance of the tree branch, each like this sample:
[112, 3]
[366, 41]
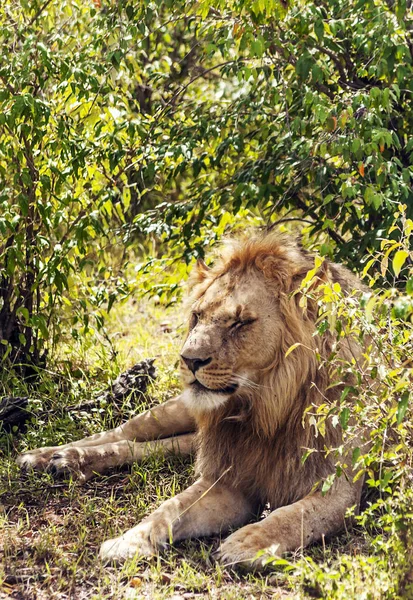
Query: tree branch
[345, 78]
[183, 88]
[37, 15]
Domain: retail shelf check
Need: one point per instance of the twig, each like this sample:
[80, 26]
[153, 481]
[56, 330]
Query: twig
[287, 220]
[37, 15]
[183, 89]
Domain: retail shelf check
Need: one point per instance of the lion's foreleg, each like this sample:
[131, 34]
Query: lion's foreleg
[292, 527]
[202, 509]
[83, 462]
[165, 420]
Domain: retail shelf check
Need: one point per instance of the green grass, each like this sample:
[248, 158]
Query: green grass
[51, 530]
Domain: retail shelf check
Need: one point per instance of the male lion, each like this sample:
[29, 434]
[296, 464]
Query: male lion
[246, 396]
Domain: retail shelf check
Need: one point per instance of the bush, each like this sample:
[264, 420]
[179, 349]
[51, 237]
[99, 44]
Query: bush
[376, 399]
[121, 123]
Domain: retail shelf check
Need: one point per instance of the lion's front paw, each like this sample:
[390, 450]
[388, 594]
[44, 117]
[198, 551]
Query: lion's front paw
[37, 459]
[135, 542]
[71, 461]
[59, 461]
[248, 547]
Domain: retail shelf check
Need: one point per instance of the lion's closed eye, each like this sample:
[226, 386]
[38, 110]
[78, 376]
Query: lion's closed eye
[239, 324]
[193, 320]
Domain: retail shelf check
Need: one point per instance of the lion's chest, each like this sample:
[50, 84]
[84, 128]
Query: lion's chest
[268, 470]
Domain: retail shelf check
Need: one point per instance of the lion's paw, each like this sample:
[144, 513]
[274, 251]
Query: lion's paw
[37, 459]
[247, 548]
[70, 461]
[135, 542]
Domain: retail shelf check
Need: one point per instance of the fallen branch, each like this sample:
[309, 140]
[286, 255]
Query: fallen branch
[132, 382]
[15, 411]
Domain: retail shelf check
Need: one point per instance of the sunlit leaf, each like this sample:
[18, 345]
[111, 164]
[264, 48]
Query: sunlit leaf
[399, 260]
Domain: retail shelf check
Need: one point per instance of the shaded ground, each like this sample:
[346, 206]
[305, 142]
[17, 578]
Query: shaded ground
[54, 530]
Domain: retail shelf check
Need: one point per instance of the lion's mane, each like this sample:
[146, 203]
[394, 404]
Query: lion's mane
[257, 439]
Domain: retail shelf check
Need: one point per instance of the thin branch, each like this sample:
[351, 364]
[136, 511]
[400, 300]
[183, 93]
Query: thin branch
[344, 77]
[8, 85]
[183, 88]
[71, 227]
[287, 220]
[336, 60]
[37, 15]
[302, 205]
[291, 59]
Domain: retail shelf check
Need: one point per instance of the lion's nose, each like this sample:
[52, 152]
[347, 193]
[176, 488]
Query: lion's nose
[194, 364]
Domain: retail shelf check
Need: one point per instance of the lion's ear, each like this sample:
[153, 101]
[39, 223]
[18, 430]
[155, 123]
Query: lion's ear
[199, 272]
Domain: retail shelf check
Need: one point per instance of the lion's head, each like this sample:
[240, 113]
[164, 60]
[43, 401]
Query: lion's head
[245, 316]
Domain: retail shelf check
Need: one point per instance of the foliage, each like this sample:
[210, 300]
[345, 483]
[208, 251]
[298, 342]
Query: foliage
[59, 133]
[374, 414]
[123, 122]
[306, 108]
[52, 531]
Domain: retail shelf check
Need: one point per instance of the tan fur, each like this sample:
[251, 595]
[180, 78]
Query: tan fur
[248, 397]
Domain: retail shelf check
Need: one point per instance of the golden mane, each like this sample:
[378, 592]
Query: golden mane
[276, 255]
[271, 417]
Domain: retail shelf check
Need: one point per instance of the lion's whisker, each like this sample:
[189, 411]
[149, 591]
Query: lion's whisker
[250, 383]
[247, 382]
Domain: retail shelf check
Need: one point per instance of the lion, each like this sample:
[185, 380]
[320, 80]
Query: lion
[243, 412]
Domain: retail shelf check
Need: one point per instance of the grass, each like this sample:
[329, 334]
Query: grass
[51, 530]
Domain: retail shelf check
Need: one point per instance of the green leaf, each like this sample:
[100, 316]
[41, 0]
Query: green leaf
[319, 29]
[372, 197]
[257, 47]
[399, 260]
[303, 66]
[402, 407]
[327, 483]
[356, 145]
[355, 455]
[22, 310]
[344, 417]
[40, 322]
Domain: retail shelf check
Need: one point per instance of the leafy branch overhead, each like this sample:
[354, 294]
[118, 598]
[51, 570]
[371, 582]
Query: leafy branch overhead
[127, 123]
